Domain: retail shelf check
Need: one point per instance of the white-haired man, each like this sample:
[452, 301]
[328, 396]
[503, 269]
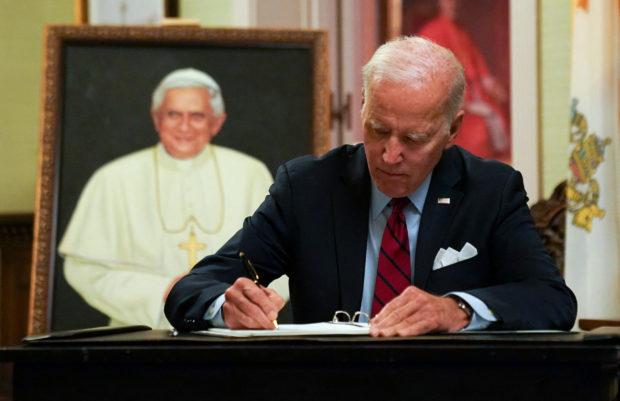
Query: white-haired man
[144, 219]
[419, 234]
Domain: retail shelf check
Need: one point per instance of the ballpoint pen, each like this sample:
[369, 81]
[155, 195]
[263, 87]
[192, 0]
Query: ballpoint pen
[249, 268]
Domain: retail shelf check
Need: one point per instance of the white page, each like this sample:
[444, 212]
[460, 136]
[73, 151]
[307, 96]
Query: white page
[310, 329]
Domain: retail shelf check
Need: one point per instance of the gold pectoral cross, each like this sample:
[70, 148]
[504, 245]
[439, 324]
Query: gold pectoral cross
[192, 246]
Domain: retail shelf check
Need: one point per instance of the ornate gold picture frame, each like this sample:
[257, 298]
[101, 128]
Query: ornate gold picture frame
[97, 83]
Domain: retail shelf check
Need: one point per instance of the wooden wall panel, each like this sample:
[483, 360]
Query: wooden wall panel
[15, 259]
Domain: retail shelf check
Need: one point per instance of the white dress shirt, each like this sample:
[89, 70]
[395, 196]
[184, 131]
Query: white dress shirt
[378, 215]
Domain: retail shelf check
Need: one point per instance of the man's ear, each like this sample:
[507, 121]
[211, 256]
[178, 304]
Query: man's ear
[217, 123]
[363, 98]
[454, 127]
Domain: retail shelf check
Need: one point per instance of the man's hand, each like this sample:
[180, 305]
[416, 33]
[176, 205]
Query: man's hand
[172, 283]
[416, 312]
[249, 306]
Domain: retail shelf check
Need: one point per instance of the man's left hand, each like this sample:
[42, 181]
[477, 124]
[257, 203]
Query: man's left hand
[416, 312]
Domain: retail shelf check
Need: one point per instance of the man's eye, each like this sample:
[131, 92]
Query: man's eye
[198, 116]
[381, 131]
[173, 114]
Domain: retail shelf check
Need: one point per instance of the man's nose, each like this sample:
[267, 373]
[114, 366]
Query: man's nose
[184, 125]
[392, 153]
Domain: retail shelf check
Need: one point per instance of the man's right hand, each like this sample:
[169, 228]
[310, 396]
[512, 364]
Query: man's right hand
[249, 306]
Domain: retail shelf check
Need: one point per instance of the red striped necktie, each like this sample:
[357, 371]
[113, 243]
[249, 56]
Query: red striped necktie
[394, 267]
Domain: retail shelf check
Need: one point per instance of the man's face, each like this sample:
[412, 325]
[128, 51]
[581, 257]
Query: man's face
[449, 8]
[185, 121]
[405, 133]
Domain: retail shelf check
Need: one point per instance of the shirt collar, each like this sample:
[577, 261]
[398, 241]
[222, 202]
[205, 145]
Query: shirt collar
[379, 200]
[167, 161]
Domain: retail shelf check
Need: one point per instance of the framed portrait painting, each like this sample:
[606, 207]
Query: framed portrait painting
[478, 33]
[97, 88]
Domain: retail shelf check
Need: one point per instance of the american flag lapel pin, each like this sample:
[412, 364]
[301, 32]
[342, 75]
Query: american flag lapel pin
[443, 201]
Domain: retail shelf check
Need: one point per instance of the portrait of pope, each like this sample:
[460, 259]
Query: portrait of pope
[145, 218]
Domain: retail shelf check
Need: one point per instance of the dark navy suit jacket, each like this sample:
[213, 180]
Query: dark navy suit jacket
[313, 227]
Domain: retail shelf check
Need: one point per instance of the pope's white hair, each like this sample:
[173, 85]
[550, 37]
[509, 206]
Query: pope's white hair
[414, 61]
[189, 78]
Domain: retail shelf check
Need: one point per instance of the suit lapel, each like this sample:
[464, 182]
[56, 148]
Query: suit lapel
[437, 215]
[350, 205]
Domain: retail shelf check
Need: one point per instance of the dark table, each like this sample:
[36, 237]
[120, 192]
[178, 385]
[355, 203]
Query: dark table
[154, 365]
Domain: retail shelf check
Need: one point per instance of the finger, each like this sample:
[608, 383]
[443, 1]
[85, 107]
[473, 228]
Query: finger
[275, 298]
[425, 321]
[415, 329]
[428, 317]
[396, 303]
[387, 327]
[261, 297]
[258, 305]
[237, 319]
[242, 316]
[411, 324]
[240, 296]
[400, 310]
[405, 329]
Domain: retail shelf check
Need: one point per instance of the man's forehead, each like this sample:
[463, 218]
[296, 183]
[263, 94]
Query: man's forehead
[187, 89]
[197, 95]
[437, 80]
[386, 82]
[387, 97]
[192, 99]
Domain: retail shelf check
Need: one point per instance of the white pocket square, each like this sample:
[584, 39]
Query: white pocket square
[450, 256]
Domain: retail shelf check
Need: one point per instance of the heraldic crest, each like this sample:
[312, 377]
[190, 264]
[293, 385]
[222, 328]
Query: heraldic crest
[582, 190]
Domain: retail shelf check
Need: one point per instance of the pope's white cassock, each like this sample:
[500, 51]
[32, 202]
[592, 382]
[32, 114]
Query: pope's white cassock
[146, 218]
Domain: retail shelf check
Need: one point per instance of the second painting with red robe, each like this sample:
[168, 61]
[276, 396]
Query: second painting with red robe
[477, 32]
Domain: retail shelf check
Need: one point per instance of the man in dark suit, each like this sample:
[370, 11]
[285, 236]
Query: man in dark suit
[459, 224]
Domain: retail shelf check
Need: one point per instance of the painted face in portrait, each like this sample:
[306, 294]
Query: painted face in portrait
[185, 121]
[449, 8]
[405, 133]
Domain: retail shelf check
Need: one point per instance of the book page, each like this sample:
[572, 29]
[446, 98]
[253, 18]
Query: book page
[310, 329]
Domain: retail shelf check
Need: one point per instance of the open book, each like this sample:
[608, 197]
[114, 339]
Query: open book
[310, 329]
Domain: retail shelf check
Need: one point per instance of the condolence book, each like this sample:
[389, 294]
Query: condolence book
[283, 330]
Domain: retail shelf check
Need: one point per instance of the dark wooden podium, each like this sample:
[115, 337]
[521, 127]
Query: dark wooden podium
[154, 365]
